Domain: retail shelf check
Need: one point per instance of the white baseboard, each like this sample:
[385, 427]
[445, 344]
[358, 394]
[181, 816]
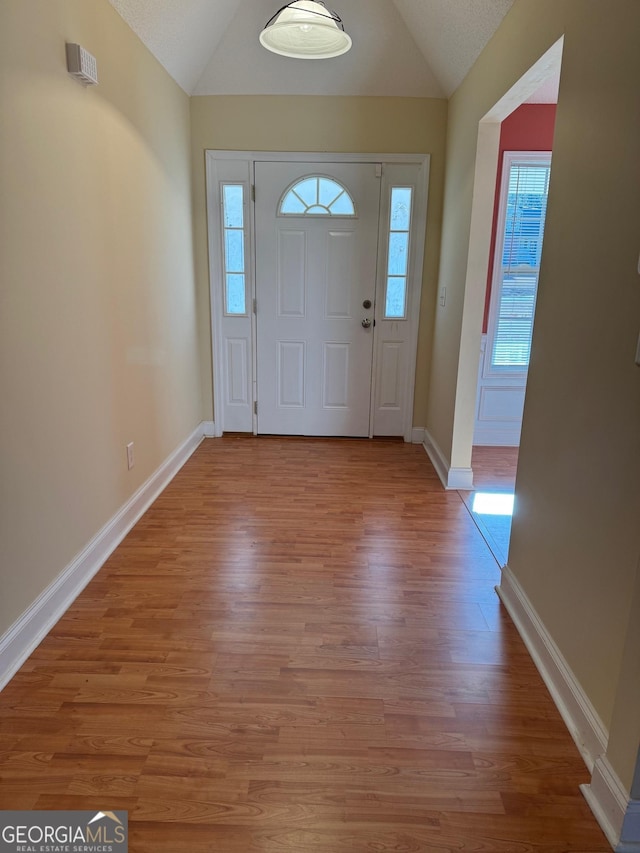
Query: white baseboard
[29, 630]
[417, 435]
[460, 478]
[579, 715]
[209, 429]
[451, 478]
[619, 817]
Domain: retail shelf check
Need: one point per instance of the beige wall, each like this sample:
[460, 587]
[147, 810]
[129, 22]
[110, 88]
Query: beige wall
[575, 541]
[342, 124]
[97, 318]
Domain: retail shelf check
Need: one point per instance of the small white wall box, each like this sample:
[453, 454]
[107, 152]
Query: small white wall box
[82, 64]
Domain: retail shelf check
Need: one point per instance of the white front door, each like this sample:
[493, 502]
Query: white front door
[316, 256]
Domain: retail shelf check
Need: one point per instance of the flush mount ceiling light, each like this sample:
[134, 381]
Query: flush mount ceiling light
[305, 29]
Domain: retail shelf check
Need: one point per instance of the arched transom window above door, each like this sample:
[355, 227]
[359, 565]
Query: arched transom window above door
[317, 195]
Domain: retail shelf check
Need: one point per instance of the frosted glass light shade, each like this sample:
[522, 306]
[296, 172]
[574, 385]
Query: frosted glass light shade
[305, 29]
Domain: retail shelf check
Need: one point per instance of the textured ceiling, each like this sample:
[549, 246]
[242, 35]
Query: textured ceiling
[452, 33]
[404, 47]
[181, 34]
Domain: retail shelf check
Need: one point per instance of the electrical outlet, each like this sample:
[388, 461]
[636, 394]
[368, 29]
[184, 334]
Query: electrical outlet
[443, 296]
[130, 458]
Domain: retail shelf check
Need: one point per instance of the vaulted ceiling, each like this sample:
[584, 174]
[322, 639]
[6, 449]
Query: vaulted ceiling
[415, 48]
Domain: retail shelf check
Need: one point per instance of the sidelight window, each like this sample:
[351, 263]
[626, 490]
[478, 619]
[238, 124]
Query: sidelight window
[235, 291]
[398, 253]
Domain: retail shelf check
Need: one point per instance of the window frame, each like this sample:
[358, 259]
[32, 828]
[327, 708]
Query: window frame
[510, 158]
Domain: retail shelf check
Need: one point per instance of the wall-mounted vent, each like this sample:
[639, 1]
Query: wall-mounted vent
[82, 64]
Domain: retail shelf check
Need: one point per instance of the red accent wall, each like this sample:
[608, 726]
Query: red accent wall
[529, 128]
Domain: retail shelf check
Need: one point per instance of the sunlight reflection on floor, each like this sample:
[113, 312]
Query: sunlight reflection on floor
[493, 503]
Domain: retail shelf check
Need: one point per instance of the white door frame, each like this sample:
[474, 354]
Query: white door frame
[456, 472]
[216, 285]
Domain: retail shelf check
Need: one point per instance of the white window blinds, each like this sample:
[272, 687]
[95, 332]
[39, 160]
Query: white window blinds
[518, 260]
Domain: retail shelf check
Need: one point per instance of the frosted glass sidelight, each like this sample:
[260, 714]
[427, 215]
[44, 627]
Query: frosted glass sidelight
[401, 208]
[233, 213]
[235, 294]
[398, 253]
[234, 250]
[396, 296]
[235, 300]
[317, 196]
[398, 259]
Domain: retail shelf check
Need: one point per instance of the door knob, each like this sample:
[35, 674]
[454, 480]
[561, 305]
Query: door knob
[366, 323]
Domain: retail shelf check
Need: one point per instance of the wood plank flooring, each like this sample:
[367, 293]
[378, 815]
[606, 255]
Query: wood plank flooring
[298, 649]
[494, 468]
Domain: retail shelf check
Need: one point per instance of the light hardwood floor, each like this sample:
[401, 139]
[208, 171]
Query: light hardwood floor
[494, 468]
[298, 650]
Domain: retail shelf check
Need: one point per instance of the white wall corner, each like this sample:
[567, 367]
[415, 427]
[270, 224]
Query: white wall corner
[417, 435]
[618, 816]
[584, 724]
[209, 430]
[39, 618]
[451, 478]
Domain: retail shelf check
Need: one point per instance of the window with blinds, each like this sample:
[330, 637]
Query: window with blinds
[523, 209]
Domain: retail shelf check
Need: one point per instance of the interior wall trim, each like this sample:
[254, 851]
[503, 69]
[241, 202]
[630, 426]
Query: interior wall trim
[417, 435]
[451, 478]
[618, 816]
[37, 620]
[585, 726]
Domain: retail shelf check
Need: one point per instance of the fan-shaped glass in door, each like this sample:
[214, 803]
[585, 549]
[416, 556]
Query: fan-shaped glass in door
[317, 196]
